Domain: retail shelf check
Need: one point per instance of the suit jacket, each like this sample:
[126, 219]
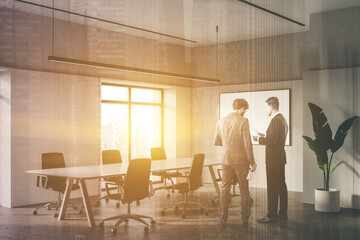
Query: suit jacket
[233, 134]
[275, 140]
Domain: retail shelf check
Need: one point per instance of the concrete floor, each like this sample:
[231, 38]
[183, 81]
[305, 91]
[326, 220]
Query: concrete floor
[303, 223]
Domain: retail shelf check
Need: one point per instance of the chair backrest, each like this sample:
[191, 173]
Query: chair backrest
[111, 156]
[54, 160]
[136, 185]
[157, 154]
[195, 175]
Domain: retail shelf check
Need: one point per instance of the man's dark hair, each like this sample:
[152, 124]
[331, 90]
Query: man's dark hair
[273, 102]
[240, 103]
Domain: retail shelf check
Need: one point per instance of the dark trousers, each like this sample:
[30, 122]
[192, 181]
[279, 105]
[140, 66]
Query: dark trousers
[276, 188]
[228, 173]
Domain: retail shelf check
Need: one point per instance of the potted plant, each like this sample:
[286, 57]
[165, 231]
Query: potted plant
[324, 146]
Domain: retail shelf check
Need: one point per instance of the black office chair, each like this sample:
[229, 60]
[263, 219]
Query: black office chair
[111, 157]
[233, 194]
[194, 182]
[136, 188]
[159, 154]
[57, 184]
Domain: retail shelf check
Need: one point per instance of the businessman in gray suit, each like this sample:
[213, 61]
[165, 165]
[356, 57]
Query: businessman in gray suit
[233, 134]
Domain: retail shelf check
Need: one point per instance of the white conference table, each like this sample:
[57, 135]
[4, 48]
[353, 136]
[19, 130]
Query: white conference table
[83, 173]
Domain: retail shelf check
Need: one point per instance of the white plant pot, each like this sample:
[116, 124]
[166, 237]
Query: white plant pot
[327, 201]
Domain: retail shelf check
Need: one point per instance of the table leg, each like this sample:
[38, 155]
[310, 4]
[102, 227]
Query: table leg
[86, 199]
[65, 201]
[213, 177]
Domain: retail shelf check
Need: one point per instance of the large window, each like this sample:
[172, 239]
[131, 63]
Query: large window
[131, 119]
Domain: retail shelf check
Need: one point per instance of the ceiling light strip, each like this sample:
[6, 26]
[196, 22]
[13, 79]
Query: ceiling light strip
[130, 69]
[107, 21]
[274, 13]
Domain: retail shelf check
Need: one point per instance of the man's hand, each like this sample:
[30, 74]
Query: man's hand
[255, 138]
[261, 134]
[253, 167]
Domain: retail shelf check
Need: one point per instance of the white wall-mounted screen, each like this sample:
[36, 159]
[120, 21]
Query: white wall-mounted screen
[258, 119]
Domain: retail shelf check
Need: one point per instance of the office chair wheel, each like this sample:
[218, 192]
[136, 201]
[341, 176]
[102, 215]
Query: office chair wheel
[137, 203]
[153, 222]
[168, 195]
[183, 215]
[101, 225]
[173, 191]
[117, 205]
[114, 230]
[163, 213]
[206, 213]
[55, 214]
[48, 208]
[126, 220]
[146, 229]
[35, 212]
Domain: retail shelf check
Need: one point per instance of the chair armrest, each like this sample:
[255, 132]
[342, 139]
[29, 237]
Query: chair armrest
[119, 184]
[187, 179]
[184, 176]
[219, 174]
[42, 181]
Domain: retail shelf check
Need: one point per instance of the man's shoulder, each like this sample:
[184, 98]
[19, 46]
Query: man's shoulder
[227, 117]
[279, 119]
[234, 117]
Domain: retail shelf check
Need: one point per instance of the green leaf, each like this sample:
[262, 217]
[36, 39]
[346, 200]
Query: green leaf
[325, 167]
[311, 143]
[321, 127]
[321, 155]
[341, 133]
[336, 166]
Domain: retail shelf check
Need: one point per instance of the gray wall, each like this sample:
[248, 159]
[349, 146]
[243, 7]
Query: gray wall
[356, 146]
[337, 92]
[177, 122]
[205, 114]
[333, 40]
[5, 138]
[270, 59]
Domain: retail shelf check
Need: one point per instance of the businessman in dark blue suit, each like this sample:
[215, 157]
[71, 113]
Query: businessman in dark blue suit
[275, 158]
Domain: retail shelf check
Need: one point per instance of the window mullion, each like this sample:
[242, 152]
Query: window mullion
[129, 124]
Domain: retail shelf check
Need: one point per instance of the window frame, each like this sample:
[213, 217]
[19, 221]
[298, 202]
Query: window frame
[130, 103]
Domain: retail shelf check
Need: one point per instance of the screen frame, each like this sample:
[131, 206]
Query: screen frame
[267, 90]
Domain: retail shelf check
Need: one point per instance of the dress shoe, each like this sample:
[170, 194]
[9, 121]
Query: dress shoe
[221, 225]
[266, 219]
[281, 216]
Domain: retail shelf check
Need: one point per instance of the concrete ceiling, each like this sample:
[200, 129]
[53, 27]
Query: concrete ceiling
[191, 19]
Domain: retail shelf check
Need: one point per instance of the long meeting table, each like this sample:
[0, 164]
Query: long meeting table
[83, 173]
